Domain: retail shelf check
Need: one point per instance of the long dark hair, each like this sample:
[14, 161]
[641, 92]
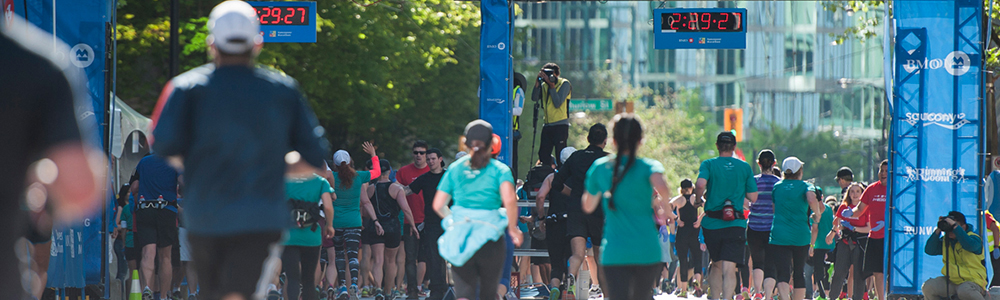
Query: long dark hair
[346, 174]
[481, 156]
[627, 134]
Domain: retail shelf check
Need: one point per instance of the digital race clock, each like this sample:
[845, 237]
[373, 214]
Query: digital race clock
[701, 28]
[286, 21]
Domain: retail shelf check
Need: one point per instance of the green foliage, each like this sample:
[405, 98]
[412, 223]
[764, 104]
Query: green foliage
[392, 72]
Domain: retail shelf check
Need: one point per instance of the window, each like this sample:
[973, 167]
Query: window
[799, 54]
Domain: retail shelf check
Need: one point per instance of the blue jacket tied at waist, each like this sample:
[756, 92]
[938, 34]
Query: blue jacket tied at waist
[467, 229]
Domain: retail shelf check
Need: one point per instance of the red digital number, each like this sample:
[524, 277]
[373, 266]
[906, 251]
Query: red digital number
[302, 11]
[276, 13]
[722, 23]
[693, 21]
[674, 19]
[706, 18]
[291, 13]
[266, 13]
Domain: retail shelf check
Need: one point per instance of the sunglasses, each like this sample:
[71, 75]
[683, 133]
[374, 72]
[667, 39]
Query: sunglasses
[419, 152]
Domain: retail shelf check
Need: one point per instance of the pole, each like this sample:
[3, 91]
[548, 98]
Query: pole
[174, 37]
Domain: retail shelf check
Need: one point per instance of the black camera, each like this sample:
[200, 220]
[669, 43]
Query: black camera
[944, 226]
[549, 73]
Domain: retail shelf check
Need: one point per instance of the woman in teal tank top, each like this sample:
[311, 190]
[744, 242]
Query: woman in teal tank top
[623, 185]
[791, 232]
[347, 207]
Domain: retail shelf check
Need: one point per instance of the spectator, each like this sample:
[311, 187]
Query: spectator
[965, 275]
[555, 97]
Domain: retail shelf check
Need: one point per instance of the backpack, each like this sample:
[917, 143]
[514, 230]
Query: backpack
[535, 179]
[305, 214]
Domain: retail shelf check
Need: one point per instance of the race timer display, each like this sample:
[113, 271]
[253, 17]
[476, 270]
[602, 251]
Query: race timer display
[700, 28]
[283, 15]
[702, 22]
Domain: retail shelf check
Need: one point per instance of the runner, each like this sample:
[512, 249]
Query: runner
[348, 185]
[416, 263]
[850, 251]
[307, 195]
[234, 160]
[426, 185]
[725, 182]
[389, 200]
[789, 244]
[623, 185]
[156, 222]
[580, 225]
[480, 185]
[686, 240]
[873, 205]
[557, 241]
[822, 247]
[759, 222]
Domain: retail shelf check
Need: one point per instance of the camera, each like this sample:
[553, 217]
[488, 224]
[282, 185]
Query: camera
[549, 73]
[943, 225]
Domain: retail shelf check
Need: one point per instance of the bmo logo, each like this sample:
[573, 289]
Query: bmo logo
[956, 63]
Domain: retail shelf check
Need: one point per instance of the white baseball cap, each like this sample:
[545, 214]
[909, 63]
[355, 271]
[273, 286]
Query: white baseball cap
[340, 157]
[565, 153]
[792, 164]
[233, 27]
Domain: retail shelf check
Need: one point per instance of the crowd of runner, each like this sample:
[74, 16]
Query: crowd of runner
[392, 233]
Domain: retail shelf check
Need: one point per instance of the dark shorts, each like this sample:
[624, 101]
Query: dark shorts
[392, 235]
[787, 264]
[757, 241]
[368, 234]
[133, 253]
[726, 244]
[873, 256]
[155, 226]
[580, 224]
[537, 244]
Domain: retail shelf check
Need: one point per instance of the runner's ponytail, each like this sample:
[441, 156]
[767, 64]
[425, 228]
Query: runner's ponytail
[627, 134]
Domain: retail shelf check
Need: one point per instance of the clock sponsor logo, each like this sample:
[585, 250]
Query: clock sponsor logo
[82, 55]
[956, 63]
[701, 40]
[273, 33]
[690, 40]
[498, 46]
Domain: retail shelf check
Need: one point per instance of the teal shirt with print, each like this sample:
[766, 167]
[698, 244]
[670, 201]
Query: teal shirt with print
[347, 207]
[825, 225]
[791, 226]
[478, 189]
[309, 190]
[127, 217]
[630, 232]
[730, 179]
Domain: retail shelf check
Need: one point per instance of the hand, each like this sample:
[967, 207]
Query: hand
[543, 76]
[541, 226]
[680, 223]
[378, 228]
[829, 238]
[950, 221]
[515, 235]
[414, 231]
[367, 146]
[810, 251]
[524, 219]
[697, 224]
[114, 233]
[328, 232]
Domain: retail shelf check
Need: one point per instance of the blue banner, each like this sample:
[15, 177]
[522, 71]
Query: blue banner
[496, 72]
[936, 132]
[80, 24]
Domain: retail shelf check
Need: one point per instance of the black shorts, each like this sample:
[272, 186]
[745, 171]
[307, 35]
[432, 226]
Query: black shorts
[392, 234]
[787, 264]
[155, 225]
[579, 224]
[873, 256]
[133, 253]
[726, 244]
[368, 234]
[757, 241]
[537, 244]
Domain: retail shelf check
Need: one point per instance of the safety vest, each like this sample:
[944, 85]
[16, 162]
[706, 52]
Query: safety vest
[964, 265]
[518, 106]
[552, 113]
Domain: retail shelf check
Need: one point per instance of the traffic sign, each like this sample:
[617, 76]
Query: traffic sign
[701, 28]
[286, 21]
[591, 105]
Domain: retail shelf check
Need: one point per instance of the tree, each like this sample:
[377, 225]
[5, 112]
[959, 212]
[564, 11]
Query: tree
[822, 152]
[392, 72]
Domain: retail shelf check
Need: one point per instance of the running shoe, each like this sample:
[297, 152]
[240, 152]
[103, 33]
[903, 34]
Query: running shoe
[322, 295]
[866, 296]
[342, 293]
[355, 293]
[147, 294]
[698, 292]
[425, 293]
[273, 295]
[843, 295]
[758, 296]
[595, 291]
[366, 292]
[331, 293]
[745, 293]
[682, 294]
[570, 287]
[192, 297]
[176, 295]
[554, 293]
[379, 295]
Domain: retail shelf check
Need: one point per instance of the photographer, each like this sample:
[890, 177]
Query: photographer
[555, 100]
[965, 275]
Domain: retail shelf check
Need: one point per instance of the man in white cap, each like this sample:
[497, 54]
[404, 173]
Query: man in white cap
[234, 129]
